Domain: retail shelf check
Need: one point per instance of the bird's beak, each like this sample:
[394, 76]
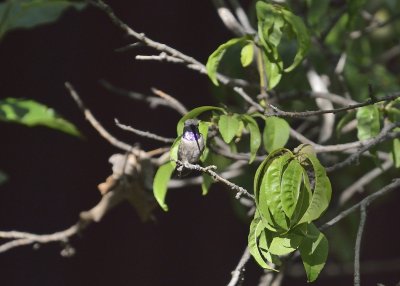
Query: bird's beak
[194, 130]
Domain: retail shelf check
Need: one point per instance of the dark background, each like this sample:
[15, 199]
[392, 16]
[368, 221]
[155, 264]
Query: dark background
[54, 176]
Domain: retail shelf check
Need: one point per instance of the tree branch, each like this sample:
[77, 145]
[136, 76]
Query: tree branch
[369, 199]
[360, 231]
[145, 134]
[280, 113]
[96, 124]
[238, 272]
[209, 170]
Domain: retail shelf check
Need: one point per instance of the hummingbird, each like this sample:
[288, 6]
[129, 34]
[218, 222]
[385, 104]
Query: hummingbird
[191, 145]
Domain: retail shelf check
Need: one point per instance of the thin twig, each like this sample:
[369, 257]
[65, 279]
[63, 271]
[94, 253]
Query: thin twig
[96, 124]
[369, 199]
[360, 231]
[238, 272]
[280, 113]
[172, 100]
[190, 61]
[382, 136]
[144, 133]
[358, 186]
[209, 170]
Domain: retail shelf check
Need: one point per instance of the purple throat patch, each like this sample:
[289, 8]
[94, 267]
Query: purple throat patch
[189, 135]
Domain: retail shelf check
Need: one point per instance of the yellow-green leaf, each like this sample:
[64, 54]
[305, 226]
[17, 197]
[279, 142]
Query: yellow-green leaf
[160, 183]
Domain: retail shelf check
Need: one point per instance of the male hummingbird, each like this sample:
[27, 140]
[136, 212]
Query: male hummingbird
[192, 143]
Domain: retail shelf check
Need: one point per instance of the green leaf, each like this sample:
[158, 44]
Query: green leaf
[270, 204]
[314, 252]
[304, 200]
[215, 58]
[160, 183]
[206, 183]
[283, 244]
[228, 126]
[247, 54]
[267, 16]
[194, 113]
[173, 153]
[31, 113]
[368, 125]
[396, 152]
[292, 180]
[203, 129]
[17, 14]
[273, 67]
[322, 191]
[276, 133]
[303, 37]
[3, 177]
[255, 135]
[256, 229]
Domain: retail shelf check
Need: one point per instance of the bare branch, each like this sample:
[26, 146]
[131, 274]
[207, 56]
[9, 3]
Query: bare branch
[238, 272]
[369, 199]
[358, 186]
[107, 202]
[328, 120]
[96, 124]
[209, 170]
[173, 101]
[190, 62]
[360, 231]
[242, 17]
[228, 18]
[281, 113]
[144, 133]
[384, 135]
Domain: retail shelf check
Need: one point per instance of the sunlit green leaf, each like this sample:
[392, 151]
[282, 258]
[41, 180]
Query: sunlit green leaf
[206, 183]
[228, 126]
[256, 229]
[283, 244]
[396, 152]
[314, 251]
[276, 133]
[322, 191]
[273, 66]
[31, 113]
[160, 183]
[368, 125]
[255, 135]
[215, 58]
[16, 14]
[173, 153]
[270, 204]
[302, 37]
[292, 180]
[193, 114]
[203, 129]
[247, 54]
